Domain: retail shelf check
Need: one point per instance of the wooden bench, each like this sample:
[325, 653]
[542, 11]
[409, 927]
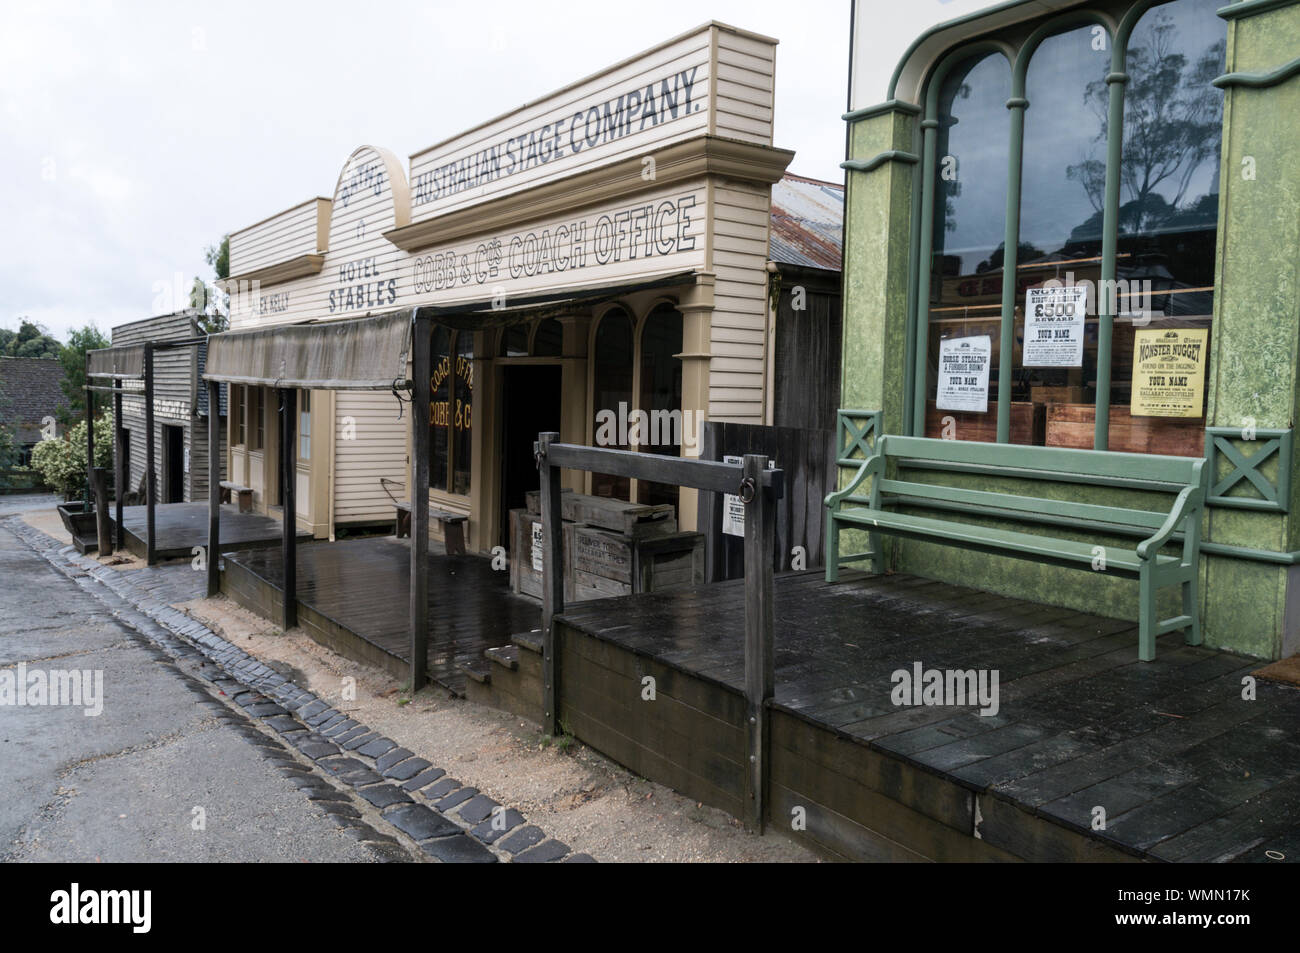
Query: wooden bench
[1179, 483]
[453, 527]
[244, 493]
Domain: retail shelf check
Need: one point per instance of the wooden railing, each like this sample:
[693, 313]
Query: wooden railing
[759, 488]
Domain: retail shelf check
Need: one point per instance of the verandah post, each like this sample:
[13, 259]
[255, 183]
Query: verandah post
[552, 577]
[151, 478]
[422, 373]
[289, 515]
[760, 526]
[214, 486]
[120, 476]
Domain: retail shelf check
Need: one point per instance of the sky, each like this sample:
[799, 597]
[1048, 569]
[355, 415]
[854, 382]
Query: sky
[133, 135]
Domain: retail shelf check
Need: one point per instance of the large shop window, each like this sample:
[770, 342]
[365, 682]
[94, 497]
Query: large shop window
[1162, 293]
[451, 411]
[612, 392]
[661, 395]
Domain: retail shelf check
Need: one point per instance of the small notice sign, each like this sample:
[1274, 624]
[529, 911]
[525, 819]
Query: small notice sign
[537, 547]
[1169, 372]
[964, 374]
[1054, 324]
[733, 510]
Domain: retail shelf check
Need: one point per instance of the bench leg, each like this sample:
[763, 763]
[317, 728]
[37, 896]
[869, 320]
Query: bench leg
[832, 548]
[1192, 607]
[877, 554]
[1146, 616]
[453, 539]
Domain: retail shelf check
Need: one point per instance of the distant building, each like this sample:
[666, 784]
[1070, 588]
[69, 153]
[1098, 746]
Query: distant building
[31, 392]
[180, 410]
[806, 250]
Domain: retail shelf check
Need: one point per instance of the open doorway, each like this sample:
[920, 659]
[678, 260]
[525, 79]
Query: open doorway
[173, 464]
[531, 405]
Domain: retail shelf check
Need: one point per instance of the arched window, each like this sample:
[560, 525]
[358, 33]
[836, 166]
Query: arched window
[548, 339]
[661, 395]
[451, 410]
[612, 393]
[514, 341]
[1095, 277]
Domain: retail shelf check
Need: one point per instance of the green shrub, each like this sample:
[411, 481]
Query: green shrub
[61, 461]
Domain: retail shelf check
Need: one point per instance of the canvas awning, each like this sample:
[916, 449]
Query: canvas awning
[357, 354]
[125, 362]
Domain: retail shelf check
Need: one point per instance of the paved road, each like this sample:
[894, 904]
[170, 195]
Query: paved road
[123, 785]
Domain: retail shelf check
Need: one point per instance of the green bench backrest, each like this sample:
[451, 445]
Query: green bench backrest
[1163, 474]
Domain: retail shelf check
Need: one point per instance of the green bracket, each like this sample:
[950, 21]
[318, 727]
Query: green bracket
[876, 161]
[1259, 80]
[856, 432]
[1221, 443]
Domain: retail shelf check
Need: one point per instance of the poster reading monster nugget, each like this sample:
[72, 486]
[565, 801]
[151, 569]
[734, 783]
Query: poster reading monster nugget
[1169, 372]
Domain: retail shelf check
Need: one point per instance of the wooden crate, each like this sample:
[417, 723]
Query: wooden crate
[636, 520]
[1027, 423]
[611, 564]
[1073, 425]
[523, 578]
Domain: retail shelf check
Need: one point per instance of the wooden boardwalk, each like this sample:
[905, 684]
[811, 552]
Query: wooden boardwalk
[179, 527]
[1184, 768]
[362, 586]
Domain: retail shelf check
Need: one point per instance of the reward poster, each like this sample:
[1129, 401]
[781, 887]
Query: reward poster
[964, 374]
[1169, 372]
[1054, 319]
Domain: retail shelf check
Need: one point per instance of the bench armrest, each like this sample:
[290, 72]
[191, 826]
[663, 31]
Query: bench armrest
[870, 467]
[1187, 504]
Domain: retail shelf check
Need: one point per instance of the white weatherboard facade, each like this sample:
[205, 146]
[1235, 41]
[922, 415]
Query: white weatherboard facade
[650, 179]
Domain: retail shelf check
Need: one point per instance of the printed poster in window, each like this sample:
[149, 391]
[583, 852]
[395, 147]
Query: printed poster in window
[964, 374]
[1054, 321]
[1169, 372]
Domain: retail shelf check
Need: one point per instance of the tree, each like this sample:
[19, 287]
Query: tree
[1172, 125]
[209, 299]
[30, 340]
[73, 357]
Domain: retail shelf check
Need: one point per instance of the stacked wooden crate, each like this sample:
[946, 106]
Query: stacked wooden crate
[611, 548]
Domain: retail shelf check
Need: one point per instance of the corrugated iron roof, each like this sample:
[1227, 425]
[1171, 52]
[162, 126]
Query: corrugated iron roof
[807, 222]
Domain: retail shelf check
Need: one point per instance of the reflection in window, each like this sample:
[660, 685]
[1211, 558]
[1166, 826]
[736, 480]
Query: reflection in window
[304, 425]
[514, 341]
[661, 395]
[969, 219]
[612, 387]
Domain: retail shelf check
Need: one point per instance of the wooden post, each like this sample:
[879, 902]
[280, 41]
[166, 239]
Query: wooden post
[214, 487]
[120, 476]
[90, 436]
[760, 523]
[151, 478]
[418, 484]
[552, 577]
[289, 514]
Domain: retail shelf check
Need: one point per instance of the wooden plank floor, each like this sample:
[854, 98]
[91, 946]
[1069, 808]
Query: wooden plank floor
[1186, 769]
[179, 527]
[363, 585]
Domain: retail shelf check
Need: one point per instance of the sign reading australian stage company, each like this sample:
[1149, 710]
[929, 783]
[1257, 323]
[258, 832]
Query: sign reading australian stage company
[559, 134]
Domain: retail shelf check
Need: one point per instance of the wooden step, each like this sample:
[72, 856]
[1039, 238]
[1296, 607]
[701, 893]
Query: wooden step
[505, 655]
[532, 641]
[478, 670]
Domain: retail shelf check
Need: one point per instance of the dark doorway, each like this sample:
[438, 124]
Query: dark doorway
[530, 405]
[173, 464]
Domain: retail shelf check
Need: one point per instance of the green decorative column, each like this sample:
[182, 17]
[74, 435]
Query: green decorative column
[878, 252]
[1254, 606]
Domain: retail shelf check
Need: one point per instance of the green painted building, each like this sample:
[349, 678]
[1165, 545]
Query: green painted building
[1133, 168]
